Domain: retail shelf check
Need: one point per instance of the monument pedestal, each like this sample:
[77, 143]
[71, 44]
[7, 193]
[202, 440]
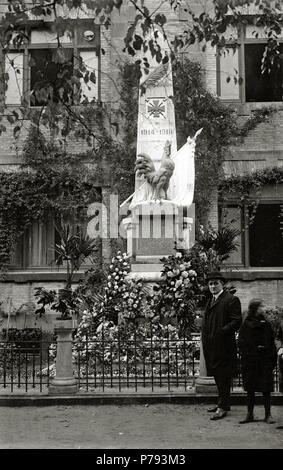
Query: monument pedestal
[153, 230]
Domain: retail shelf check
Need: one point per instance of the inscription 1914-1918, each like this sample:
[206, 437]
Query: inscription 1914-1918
[167, 131]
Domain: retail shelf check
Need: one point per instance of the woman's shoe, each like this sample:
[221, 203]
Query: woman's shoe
[268, 419]
[248, 419]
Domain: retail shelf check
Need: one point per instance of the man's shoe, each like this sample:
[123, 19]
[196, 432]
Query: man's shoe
[219, 414]
[268, 419]
[248, 419]
[213, 409]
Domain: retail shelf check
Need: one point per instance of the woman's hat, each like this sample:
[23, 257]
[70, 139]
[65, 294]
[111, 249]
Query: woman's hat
[215, 275]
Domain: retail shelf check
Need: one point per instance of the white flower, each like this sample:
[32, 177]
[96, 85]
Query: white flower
[192, 273]
[178, 283]
[109, 277]
[170, 274]
[185, 274]
[178, 254]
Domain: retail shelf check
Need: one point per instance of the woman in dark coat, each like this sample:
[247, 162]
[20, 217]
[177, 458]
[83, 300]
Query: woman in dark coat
[258, 358]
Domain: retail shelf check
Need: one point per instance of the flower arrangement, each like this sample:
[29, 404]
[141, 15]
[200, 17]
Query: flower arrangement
[123, 297]
[175, 298]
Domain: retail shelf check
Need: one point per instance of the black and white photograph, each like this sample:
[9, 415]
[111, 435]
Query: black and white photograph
[141, 229]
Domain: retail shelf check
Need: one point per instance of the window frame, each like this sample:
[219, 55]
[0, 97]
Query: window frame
[75, 45]
[245, 255]
[242, 40]
[23, 250]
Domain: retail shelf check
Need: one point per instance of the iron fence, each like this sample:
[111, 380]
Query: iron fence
[113, 364]
[136, 364]
[25, 366]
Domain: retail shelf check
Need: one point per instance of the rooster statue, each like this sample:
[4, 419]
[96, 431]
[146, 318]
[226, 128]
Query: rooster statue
[158, 179]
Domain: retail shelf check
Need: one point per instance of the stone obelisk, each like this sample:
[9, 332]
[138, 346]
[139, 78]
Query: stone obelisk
[157, 223]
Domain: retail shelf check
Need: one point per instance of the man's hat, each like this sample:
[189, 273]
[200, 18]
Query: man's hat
[215, 275]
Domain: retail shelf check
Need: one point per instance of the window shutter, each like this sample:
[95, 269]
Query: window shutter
[231, 216]
[229, 69]
[14, 67]
[90, 89]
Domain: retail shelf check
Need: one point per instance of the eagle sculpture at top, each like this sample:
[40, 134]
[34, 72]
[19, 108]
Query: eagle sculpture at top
[157, 179]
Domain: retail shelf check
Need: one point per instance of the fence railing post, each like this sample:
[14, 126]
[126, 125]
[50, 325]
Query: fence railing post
[204, 383]
[64, 382]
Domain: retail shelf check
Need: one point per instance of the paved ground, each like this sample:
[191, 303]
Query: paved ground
[160, 426]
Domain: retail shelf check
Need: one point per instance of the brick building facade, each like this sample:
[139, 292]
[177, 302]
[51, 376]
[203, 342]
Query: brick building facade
[251, 275]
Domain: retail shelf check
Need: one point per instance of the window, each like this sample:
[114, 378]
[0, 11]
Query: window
[36, 72]
[258, 86]
[261, 241]
[239, 70]
[266, 236]
[34, 249]
[46, 76]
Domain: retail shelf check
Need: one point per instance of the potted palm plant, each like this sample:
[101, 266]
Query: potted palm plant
[74, 248]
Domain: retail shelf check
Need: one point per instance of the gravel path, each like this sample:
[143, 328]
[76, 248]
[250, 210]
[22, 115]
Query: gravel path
[160, 426]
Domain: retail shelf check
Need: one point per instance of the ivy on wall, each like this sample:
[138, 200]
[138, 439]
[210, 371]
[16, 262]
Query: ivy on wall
[125, 119]
[196, 107]
[253, 181]
[49, 183]
[248, 187]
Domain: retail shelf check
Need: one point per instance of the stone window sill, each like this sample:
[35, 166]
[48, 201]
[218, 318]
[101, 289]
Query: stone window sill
[39, 276]
[253, 274]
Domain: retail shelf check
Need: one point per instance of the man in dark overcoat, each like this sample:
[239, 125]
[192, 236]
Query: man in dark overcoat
[222, 318]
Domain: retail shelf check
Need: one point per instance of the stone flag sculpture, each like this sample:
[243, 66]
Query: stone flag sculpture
[182, 183]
